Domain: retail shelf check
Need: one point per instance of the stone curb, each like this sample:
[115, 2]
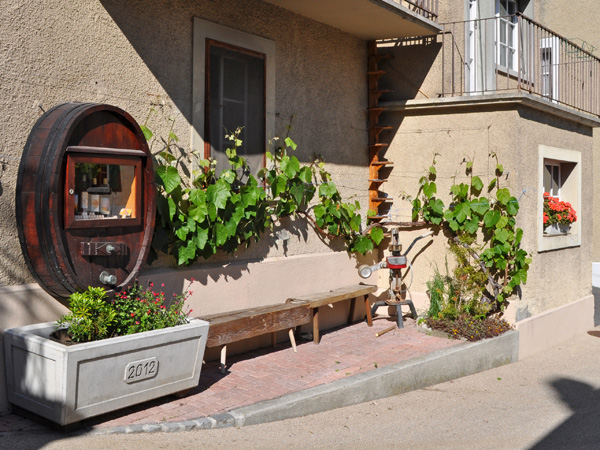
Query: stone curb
[437, 367]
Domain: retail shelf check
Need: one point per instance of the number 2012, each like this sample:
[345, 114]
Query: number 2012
[141, 370]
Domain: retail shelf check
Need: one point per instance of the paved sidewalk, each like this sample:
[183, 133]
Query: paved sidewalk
[269, 374]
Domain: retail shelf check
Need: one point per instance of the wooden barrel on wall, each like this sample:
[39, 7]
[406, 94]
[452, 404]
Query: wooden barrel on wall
[66, 250]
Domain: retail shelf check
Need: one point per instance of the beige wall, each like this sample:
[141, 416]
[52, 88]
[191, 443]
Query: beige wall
[506, 127]
[515, 134]
[130, 53]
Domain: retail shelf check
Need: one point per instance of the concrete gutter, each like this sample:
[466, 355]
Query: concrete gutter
[437, 367]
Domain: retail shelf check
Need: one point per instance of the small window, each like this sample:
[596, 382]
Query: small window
[507, 37]
[560, 177]
[552, 180]
[235, 87]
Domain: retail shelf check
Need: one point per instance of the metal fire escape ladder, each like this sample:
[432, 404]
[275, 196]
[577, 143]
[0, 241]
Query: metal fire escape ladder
[377, 199]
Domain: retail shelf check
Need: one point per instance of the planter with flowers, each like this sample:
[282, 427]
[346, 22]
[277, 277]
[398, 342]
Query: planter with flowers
[558, 215]
[104, 355]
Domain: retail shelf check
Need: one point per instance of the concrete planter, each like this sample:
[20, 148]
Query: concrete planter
[66, 384]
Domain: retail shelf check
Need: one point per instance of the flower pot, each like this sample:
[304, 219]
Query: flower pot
[556, 229]
[66, 384]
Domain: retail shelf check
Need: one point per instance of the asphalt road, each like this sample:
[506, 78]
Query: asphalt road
[548, 401]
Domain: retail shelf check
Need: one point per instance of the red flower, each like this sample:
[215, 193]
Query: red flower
[132, 314]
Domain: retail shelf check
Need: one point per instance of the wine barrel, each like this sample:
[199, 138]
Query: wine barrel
[65, 253]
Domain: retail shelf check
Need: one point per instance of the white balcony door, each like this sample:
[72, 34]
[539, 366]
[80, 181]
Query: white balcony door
[472, 48]
[550, 53]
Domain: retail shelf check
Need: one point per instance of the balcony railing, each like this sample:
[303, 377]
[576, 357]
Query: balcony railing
[425, 8]
[516, 54]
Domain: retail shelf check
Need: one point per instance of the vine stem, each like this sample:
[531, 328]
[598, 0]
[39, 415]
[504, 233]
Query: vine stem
[496, 286]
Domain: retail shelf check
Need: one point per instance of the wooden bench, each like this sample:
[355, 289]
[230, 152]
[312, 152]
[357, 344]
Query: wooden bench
[315, 301]
[248, 323]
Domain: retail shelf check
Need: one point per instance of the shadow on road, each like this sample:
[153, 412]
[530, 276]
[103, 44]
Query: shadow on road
[580, 430]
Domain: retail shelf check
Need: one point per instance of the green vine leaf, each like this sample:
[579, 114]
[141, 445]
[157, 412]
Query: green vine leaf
[218, 193]
[503, 196]
[491, 218]
[377, 235]
[512, 207]
[187, 253]
[290, 143]
[148, 134]
[480, 206]
[170, 177]
[476, 185]
[327, 190]
[429, 189]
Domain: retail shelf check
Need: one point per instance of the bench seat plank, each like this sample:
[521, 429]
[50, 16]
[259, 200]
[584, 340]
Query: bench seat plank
[335, 295]
[247, 323]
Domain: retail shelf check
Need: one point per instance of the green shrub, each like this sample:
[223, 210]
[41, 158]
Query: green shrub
[134, 310]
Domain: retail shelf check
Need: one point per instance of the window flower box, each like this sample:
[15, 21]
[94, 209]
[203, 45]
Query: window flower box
[69, 383]
[558, 216]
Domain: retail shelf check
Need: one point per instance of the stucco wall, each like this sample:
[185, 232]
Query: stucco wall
[133, 53]
[514, 134]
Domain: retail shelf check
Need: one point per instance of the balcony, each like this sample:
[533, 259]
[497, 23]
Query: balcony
[371, 19]
[514, 54]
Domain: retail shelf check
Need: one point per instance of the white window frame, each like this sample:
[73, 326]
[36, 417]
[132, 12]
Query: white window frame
[204, 30]
[512, 30]
[570, 190]
[554, 164]
[551, 46]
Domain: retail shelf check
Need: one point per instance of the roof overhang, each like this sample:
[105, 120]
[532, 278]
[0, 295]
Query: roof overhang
[367, 19]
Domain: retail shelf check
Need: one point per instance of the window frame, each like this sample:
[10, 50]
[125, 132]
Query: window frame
[508, 22]
[205, 31]
[570, 190]
[211, 141]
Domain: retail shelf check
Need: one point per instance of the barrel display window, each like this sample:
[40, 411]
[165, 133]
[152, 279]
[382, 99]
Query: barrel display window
[103, 187]
[85, 199]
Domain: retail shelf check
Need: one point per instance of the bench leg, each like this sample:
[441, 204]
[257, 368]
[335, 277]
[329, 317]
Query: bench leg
[293, 340]
[368, 311]
[351, 312]
[223, 358]
[316, 325]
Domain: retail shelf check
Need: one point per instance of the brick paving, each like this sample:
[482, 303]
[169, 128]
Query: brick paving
[270, 373]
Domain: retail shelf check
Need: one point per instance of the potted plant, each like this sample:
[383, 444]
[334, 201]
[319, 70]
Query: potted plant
[558, 215]
[104, 355]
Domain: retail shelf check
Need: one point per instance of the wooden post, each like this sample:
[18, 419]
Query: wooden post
[316, 337]
[223, 358]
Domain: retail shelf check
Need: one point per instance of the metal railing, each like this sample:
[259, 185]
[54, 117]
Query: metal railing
[516, 54]
[425, 8]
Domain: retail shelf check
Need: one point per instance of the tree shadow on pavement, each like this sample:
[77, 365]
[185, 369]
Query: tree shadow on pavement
[581, 430]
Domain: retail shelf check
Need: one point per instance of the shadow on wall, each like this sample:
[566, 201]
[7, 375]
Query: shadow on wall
[154, 39]
[407, 70]
[161, 33]
[580, 430]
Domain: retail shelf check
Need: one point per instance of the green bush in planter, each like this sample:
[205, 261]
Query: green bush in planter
[93, 316]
